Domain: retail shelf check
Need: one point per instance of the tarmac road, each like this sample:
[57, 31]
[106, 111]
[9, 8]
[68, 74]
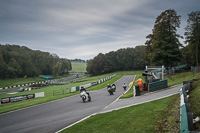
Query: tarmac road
[53, 116]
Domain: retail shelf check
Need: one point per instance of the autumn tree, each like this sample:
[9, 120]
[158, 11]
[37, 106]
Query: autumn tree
[193, 34]
[163, 44]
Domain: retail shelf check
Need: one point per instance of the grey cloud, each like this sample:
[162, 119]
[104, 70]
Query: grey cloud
[83, 28]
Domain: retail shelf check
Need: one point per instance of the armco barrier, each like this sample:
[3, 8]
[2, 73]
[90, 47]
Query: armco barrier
[186, 116]
[158, 85]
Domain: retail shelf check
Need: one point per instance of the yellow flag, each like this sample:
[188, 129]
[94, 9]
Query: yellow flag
[130, 84]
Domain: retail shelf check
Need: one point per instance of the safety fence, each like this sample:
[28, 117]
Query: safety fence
[20, 98]
[186, 116]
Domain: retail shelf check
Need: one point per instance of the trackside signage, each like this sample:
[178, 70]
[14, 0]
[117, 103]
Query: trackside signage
[20, 98]
[41, 94]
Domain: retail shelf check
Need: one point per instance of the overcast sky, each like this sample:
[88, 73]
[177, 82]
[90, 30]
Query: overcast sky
[83, 28]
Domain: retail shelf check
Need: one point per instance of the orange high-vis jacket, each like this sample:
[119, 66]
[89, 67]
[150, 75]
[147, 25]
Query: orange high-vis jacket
[139, 81]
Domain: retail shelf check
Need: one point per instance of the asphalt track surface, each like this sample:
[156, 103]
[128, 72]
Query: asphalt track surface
[53, 116]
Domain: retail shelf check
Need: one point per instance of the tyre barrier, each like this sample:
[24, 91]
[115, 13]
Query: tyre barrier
[186, 116]
[21, 85]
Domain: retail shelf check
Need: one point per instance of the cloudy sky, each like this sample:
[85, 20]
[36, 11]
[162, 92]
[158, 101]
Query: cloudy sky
[83, 28]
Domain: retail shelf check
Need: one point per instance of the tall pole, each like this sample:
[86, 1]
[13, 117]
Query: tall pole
[162, 72]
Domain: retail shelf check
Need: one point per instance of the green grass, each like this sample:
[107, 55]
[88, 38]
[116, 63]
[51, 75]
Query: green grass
[180, 77]
[194, 101]
[141, 118]
[18, 81]
[78, 66]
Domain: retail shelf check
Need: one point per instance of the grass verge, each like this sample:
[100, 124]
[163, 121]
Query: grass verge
[134, 119]
[194, 101]
[180, 77]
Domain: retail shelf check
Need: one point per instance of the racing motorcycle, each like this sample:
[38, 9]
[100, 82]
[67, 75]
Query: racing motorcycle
[110, 90]
[85, 96]
[114, 87]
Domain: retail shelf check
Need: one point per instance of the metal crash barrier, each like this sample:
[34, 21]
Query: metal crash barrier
[186, 116]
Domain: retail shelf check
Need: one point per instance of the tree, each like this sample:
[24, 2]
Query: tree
[3, 68]
[122, 59]
[110, 62]
[17, 61]
[193, 33]
[164, 41]
[65, 66]
[148, 49]
[57, 69]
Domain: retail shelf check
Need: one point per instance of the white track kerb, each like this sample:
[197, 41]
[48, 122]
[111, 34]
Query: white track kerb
[97, 112]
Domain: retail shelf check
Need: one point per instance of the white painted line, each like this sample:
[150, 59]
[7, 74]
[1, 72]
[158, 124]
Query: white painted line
[120, 95]
[76, 122]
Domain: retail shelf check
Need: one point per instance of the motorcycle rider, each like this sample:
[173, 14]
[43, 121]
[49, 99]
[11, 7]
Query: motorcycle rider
[114, 86]
[83, 89]
[124, 86]
[108, 86]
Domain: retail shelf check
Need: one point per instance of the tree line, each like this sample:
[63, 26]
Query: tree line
[122, 59]
[18, 61]
[162, 47]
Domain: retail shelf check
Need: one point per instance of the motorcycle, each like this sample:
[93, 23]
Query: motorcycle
[113, 87]
[110, 90]
[85, 96]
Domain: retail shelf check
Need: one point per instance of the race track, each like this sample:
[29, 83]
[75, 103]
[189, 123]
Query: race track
[53, 116]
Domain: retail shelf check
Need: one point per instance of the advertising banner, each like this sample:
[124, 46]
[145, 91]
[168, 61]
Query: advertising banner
[30, 96]
[73, 89]
[5, 100]
[41, 94]
[93, 83]
[18, 98]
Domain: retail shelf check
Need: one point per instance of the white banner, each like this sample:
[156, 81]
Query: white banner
[73, 89]
[41, 94]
